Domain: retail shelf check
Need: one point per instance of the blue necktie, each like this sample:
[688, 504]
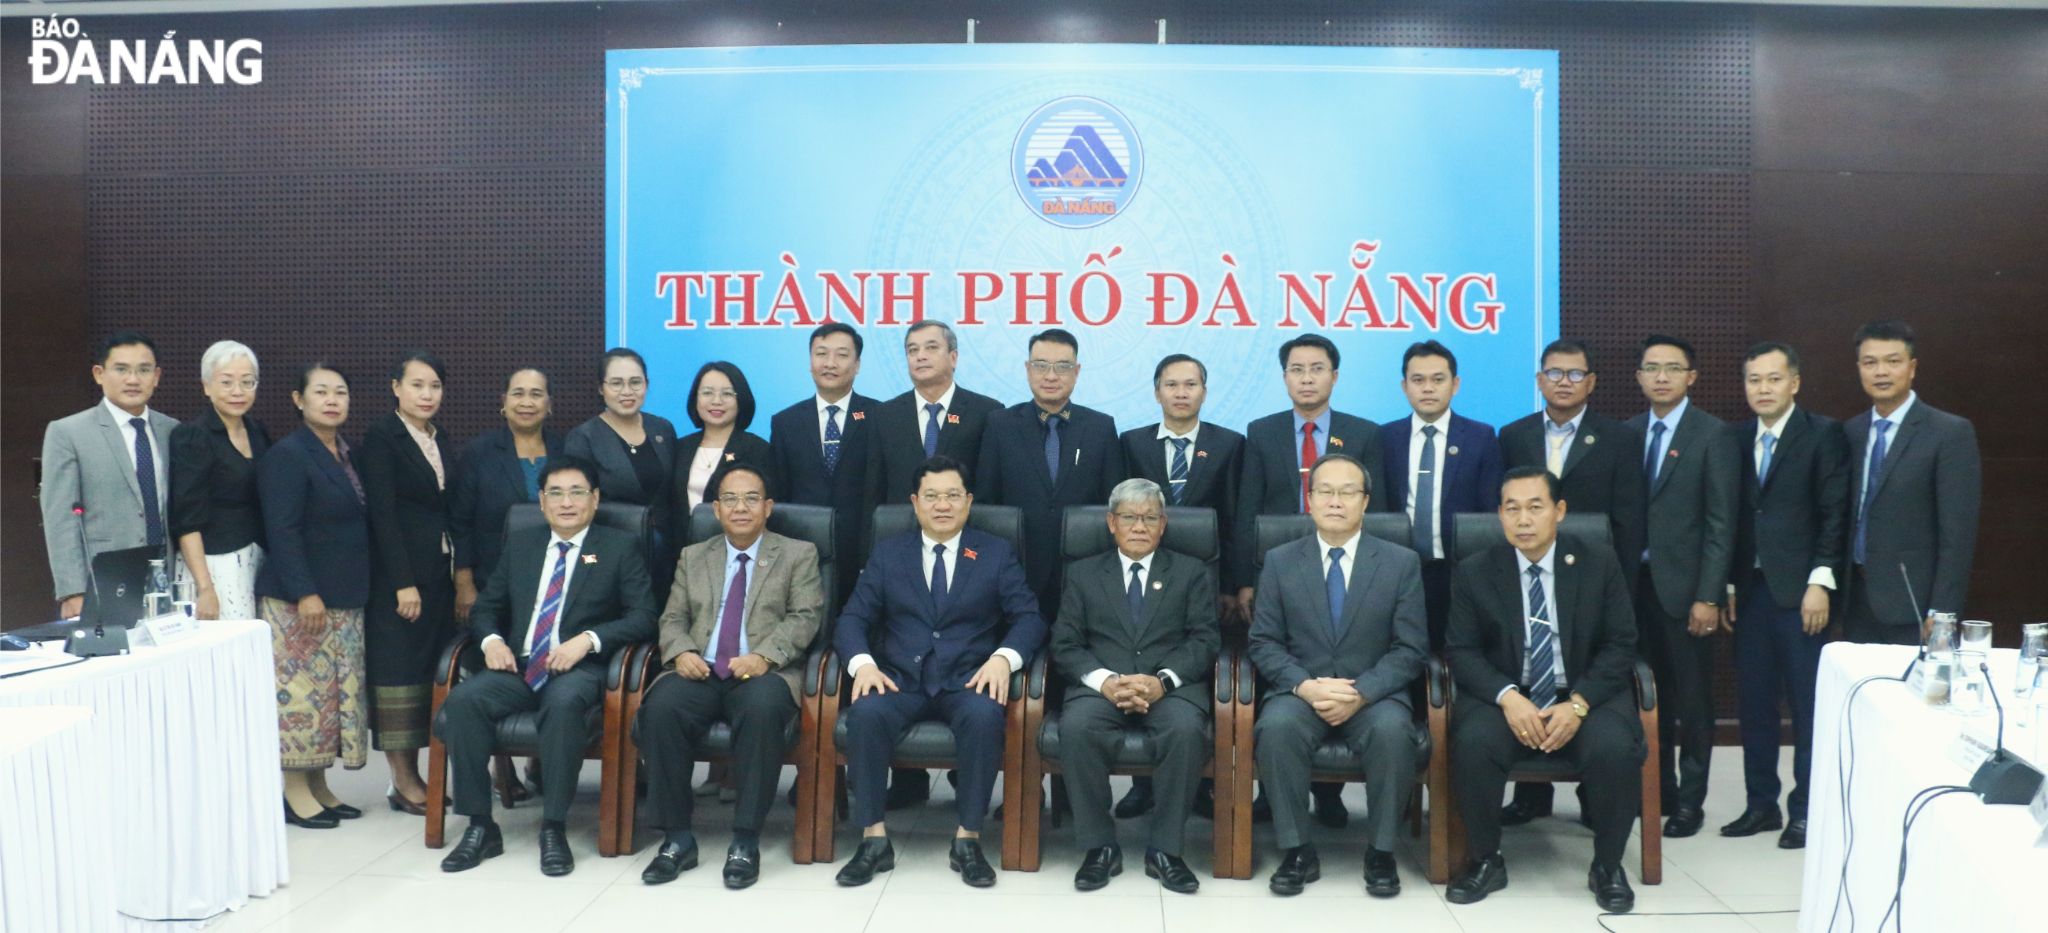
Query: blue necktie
[145, 477]
[1177, 475]
[938, 575]
[1542, 647]
[1650, 458]
[1334, 584]
[543, 639]
[931, 430]
[1425, 496]
[1763, 464]
[1052, 448]
[1134, 595]
[1872, 475]
[831, 438]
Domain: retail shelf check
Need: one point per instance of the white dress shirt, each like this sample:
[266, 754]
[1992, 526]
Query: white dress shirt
[1093, 679]
[156, 451]
[540, 593]
[1557, 441]
[1549, 577]
[1166, 439]
[1820, 576]
[945, 408]
[952, 559]
[842, 415]
[1436, 470]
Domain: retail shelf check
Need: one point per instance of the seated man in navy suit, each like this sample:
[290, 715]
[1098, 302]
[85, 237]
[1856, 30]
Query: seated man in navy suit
[934, 628]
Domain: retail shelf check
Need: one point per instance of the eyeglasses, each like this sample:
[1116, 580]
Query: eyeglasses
[577, 494]
[1668, 369]
[1151, 520]
[1574, 376]
[1346, 493]
[1313, 369]
[952, 497]
[124, 370]
[717, 395]
[620, 385]
[1060, 368]
[733, 500]
[229, 385]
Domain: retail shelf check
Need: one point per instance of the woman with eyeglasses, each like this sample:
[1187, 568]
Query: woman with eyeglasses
[722, 408]
[635, 453]
[215, 516]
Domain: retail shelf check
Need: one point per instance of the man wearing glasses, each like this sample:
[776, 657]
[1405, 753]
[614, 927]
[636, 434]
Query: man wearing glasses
[560, 601]
[745, 604]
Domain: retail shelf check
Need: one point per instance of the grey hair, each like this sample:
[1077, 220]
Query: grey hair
[952, 339]
[222, 352]
[1134, 491]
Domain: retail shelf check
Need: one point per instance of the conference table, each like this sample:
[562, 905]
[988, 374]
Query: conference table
[166, 768]
[1970, 866]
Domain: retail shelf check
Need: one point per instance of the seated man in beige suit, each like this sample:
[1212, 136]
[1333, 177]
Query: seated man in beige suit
[745, 605]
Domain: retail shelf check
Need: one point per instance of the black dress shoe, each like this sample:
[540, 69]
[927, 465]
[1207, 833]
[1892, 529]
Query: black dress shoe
[1752, 822]
[1298, 868]
[1482, 877]
[908, 788]
[874, 856]
[477, 843]
[1137, 801]
[1685, 821]
[1519, 812]
[1097, 867]
[742, 865]
[1262, 812]
[1329, 806]
[401, 805]
[1609, 885]
[1173, 874]
[325, 819]
[673, 859]
[345, 811]
[555, 858]
[1381, 878]
[1794, 836]
[973, 867]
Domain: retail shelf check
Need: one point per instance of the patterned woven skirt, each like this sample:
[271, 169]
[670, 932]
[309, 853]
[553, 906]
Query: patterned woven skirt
[320, 714]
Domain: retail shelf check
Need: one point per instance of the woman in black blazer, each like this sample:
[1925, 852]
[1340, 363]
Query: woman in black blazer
[498, 470]
[722, 407]
[635, 453]
[412, 589]
[313, 585]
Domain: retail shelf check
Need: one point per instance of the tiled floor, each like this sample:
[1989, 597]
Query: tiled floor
[374, 874]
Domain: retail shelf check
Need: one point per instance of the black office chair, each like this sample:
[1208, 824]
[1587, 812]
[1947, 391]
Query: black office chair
[810, 523]
[1084, 533]
[1479, 531]
[519, 734]
[927, 744]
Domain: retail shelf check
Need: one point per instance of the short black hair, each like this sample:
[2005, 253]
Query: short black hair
[940, 464]
[622, 353]
[837, 327]
[1666, 340]
[724, 470]
[1055, 335]
[423, 357]
[123, 338]
[1530, 471]
[1568, 347]
[546, 380]
[739, 388]
[1159, 371]
[1312, 341]
[306, 373]
[1773, 346]
[1429, 348]
[1887, 330]
[563, 463]
[1343, 458]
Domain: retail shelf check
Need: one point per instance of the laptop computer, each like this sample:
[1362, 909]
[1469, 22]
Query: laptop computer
[114, 599]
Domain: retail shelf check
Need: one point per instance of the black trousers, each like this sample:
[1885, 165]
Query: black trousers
[1774, 658]
[1436, 599]
[1860, 623]
[470, 729]
[674, 717]
[1607, 752]
[1684, 667]
[874, 723]
[1091, 728]
[1383, 734]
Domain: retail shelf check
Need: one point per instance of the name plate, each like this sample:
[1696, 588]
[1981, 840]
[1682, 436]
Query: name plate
[1930, 681]
[162, 630]
[2039, 811]
[1969, 752]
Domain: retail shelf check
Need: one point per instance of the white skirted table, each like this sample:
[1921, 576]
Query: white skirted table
[53, 824]
[179, 762]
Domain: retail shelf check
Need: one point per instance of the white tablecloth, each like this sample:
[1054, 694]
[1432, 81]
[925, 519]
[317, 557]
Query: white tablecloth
[1970, 866]
[186, 739]
[53, 827]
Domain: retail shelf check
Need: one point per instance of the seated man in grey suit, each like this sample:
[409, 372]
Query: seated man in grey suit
[745, 604]
[104, 481]
[1338, 633]
[1136, 637]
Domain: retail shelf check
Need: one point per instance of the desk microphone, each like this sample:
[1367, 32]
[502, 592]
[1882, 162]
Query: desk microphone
[2003, 777]
[1915, 602]
[91, 590]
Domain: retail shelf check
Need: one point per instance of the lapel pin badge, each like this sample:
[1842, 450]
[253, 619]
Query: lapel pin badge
[1158, 585]
[1201, 455]
[967, 553]
[1590, 439]
[1453, 451]
[1336, 442]
[1570, 559]
[731, 457]
[860, 416]
[1674, 453]
[590, 558]
[952, 419]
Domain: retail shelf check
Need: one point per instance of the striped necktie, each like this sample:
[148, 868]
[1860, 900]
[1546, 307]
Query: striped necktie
[544, 627]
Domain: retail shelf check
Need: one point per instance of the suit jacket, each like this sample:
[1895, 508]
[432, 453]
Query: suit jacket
[596, 442]
[1603, 472]
[797, 455]
[784, 603]
[1925, 513]
[1271, 479]
[609, 593]
[1596, 626]
[315, 525]
[1385, 630]
[1013, 473]
[1690, 520]
[1215, 471]
[1796, 518]
[488, 481]
[898, 449]
[408, 509]
[1178, 630]
[741, 447]
[1471, 477]
[925, 647]
[85, 461]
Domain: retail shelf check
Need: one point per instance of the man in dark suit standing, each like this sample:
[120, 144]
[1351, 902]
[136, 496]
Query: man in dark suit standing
[1046, 454]
[820, 445]
[1694, 483]
[1339, 635]
[1598, 463]
[935, 627]
[1541, 644]
[1917, 479]
[1789, 534]
[1438, 463]
[1136, 639]
[558, 603]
